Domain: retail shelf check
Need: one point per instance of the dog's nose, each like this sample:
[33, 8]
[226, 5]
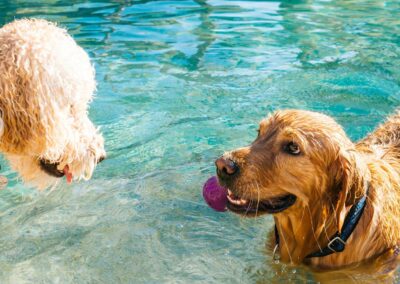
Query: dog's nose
[225, 167]
[101, 159]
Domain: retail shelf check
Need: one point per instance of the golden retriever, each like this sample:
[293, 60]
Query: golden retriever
[303, 169]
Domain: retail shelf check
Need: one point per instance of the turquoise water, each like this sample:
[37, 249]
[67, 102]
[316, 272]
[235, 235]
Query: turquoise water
[179, 82]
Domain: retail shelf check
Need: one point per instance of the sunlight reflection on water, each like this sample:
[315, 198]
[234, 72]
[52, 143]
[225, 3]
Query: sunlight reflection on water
[179, 82]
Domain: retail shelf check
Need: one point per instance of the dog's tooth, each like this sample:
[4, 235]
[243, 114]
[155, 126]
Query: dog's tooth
[234, 201]
[231, 200]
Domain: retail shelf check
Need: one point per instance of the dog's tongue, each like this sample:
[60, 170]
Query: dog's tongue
[67, 174]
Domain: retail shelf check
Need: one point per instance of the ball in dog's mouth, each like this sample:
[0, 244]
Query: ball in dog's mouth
[215, 195]
[220, 198]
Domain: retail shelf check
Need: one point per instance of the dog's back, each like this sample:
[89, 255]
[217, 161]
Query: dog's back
[386, 137]
[384, 146]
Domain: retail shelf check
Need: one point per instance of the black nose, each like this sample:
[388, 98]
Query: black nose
[226, 167]
[101, 159]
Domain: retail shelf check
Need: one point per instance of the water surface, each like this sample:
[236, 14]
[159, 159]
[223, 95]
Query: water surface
[179, 82]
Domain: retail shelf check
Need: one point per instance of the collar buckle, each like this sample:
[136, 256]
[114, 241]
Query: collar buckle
[336, 244]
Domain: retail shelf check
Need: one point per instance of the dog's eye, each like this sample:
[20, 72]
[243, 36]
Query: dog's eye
[258, 132]
[292, 148]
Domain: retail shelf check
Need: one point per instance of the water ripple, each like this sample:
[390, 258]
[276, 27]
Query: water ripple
[179, 83]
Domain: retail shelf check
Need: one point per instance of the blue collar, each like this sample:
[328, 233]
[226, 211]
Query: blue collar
[337, 242]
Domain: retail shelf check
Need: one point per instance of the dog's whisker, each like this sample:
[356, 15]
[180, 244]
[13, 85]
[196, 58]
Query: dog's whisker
[286, 244]
[301, 220]
[249, 207]
[312, 228]
[249, 204]
[258, 197]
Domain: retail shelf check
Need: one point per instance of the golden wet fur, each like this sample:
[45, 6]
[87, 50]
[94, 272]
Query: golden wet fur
[46, 83]
[328, 177]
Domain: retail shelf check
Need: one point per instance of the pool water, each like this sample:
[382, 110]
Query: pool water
[179, 82]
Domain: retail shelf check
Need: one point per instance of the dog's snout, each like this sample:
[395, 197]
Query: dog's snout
[226, 167]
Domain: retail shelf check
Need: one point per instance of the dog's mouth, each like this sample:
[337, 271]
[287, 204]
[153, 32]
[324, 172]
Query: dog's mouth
[52, 170]
[254, 207]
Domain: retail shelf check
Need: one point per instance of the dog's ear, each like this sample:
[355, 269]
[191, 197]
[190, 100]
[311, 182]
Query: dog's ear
[347, 178]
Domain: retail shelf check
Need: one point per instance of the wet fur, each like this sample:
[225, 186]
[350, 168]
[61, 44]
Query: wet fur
[46, 83]
[329, 176]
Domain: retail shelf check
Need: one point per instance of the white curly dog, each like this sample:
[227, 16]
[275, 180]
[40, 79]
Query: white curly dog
[46, 83]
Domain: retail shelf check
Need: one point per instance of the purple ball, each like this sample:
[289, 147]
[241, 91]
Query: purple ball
[215, 195]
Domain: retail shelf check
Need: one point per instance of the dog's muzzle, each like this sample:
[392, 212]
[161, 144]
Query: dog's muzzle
[52, 168]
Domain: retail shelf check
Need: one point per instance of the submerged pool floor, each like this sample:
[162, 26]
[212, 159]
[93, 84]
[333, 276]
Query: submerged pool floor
[180, 82]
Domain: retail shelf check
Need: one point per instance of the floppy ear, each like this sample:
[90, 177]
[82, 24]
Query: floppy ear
[348, 177]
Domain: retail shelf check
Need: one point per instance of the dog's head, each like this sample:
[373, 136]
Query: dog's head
[298, 159]
[46, 83]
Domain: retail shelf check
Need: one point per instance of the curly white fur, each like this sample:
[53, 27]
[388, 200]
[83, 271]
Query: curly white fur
[46, 83]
